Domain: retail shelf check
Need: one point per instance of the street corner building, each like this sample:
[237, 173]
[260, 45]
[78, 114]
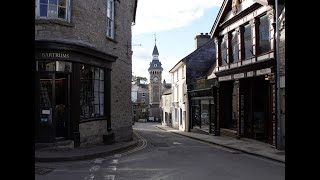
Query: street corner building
[83, 62]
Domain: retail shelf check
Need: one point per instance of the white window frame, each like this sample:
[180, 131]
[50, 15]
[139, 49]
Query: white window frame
[111, 34]
[68, 10]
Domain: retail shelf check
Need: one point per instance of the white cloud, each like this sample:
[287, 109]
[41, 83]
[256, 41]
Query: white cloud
[164, 15]
[161, 15]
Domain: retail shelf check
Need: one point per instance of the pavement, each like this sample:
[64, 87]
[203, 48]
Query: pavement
[83, 153]
[244, 145]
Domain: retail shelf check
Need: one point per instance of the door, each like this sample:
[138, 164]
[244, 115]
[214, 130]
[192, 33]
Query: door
[61, 109]
[54, 105]
[46, 104]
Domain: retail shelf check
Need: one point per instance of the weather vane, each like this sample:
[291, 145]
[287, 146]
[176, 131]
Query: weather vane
[155, 38]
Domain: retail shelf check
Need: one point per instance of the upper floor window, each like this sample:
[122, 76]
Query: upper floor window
[110, 18]
[223, 52]
[178, 75]
[53, 9]
[143, 94]
[183, 75]
[234, 48]
[264, 35]
[247, 41]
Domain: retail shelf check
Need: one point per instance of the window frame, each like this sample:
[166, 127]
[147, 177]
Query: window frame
[234, 47]
[222, 61]
[92, 91]
[112, 19]
[259, 34]
[67, 16]
[243, 44]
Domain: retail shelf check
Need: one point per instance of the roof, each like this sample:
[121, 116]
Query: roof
[195, 51]
[167, 92]
[155, 50]
[155, 65]
[135, 11]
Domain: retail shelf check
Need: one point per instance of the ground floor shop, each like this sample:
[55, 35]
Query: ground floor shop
[202, 106]
[72, 93]
[246, 102]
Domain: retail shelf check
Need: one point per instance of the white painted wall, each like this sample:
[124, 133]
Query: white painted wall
[179, 91]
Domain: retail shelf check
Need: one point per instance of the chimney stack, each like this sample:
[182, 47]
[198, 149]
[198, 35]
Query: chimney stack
[201, 39]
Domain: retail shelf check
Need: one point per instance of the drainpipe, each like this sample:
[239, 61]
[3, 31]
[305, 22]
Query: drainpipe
[279, 133]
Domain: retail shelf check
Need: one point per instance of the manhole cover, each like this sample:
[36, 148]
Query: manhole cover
[159, 144]
[42, 170]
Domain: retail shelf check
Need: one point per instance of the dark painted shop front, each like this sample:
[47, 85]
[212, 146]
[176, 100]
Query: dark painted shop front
[72, 87]
[202, 106]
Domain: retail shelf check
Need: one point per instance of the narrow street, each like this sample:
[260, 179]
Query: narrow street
[162, 155]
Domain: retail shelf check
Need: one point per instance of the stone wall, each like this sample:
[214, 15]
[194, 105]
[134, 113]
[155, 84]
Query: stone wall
[92, 132]
[88, 27]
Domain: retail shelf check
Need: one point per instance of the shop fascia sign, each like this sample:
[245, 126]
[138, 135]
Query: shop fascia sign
[55, 55]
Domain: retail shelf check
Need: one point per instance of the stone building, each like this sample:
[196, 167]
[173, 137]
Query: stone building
[83, 71]
[140, 100]
[188, 103]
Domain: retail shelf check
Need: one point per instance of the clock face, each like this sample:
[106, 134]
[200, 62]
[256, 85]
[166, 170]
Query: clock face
[155, 79]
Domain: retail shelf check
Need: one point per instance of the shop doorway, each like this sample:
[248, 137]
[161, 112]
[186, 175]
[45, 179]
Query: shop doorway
[258, 118]
[54, 105]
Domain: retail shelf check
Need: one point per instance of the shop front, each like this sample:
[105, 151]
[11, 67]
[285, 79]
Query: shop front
[202, 106]
[72, 87]
[247, 102]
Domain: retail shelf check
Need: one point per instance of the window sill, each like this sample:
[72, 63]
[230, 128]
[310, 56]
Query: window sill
[110, 39]
[92, 119]
[54, 21]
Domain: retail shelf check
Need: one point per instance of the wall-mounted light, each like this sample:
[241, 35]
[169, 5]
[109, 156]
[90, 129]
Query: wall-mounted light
[266, 77]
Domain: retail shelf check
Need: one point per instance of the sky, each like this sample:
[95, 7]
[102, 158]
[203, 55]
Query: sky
[174, 23]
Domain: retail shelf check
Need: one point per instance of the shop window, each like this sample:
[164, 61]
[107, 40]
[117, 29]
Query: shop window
[223, 52]
[91, 92]
[264, 35]
[53, 9]
[234, 48]
[205, 114]
[110, 18]
[61, 66]
[247, 42]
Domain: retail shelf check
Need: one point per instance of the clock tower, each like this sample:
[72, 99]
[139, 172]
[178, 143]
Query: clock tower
[155, 85]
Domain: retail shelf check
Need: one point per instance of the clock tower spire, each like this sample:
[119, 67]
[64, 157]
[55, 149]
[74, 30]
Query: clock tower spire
[155, 73]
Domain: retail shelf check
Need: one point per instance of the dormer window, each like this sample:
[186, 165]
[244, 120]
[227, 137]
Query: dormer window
[155, 65]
